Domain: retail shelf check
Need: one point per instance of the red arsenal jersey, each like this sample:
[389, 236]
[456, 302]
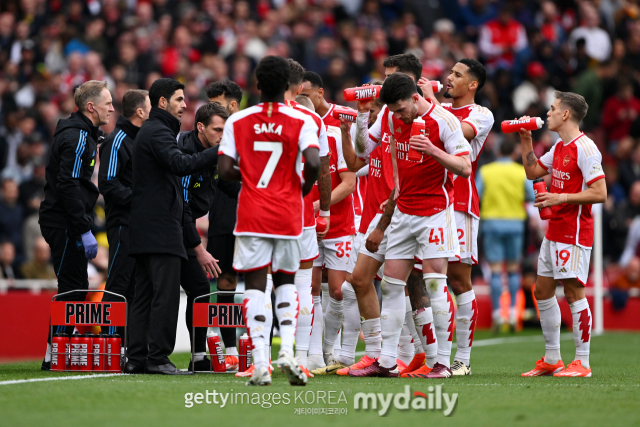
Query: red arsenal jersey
[267, 141]
[573, 167]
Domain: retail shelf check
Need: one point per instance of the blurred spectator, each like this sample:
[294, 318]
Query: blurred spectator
[501, 39]
[475, 14]
[535, 90]
[631, 276]
[620, 220]
[629, 169]
[548, 19]
[8, 266]
[40, 266]
[11, 214]
[597, 41]
[619, 112]
[590, 84]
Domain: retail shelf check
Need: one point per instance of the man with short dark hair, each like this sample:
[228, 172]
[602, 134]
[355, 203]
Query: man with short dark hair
[156, 229]
[66, 213]
[226, 93]
[200, 189]
[406, 63]
[114, 182]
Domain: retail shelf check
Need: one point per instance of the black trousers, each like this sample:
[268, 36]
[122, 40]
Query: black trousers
[70, 265]
[154, 312]
[121, 273]
[221, 247]
[195, 283]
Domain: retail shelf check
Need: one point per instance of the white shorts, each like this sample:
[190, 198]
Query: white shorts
[467, 238]
[422, 237]
[334, 253]
[382, 249]
[308, 245]
[355, 250]
[253, 253]
[564, 261]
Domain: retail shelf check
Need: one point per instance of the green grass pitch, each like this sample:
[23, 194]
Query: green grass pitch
[494, 395]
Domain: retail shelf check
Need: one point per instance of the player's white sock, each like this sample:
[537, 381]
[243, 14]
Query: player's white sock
[337, 347]
[581, 329]
[302, 281]
[315, 342]
[287, 312]
[351, 325]
[442, 306]
[47, 355]
[405, 348]
[392, 317]
[253, 303]
[423, 321]
[372, 337]
[268, 314]
[325, 304]
[332, 324]
[231, 351]
[408, 321]
[325, 296]
[550, 322]
[466, 318]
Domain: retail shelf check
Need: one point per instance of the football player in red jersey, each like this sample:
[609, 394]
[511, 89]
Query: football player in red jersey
[336, 246]
[465, 79]
[267, 143]
[577, 182]
[423, 221]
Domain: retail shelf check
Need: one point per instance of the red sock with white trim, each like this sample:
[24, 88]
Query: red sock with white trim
[582, 321]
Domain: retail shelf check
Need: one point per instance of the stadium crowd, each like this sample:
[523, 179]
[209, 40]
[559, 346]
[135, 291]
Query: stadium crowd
[530, 49]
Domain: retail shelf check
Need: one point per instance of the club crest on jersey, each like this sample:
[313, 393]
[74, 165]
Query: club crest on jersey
[566, 160]
[267, 128]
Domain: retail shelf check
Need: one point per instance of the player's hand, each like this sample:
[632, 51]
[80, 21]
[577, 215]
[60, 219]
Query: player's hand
[525, 135]
[549, 199]
[345, 126]
[373, 241]
[208, 263]
[316, 207]
[427, 90]
[365, 106]
[321, 236]
[383, 205]
[422, 144]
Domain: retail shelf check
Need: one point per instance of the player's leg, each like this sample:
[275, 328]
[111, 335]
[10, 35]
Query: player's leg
[222, 248]
[315, 359]
[575, 261]
[303, 282]
[545, 294]
[286, 260]
[195, 283]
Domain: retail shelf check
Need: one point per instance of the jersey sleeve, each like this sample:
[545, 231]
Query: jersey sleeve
[590, 162]
[308, 135]
[452, 137]
[228, 143]
[546, 161]
[323, 142]
[481, 120]
[342, 164]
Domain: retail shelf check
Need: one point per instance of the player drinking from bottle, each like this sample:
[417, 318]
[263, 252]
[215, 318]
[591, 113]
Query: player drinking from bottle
[577, 182]
[267, 142]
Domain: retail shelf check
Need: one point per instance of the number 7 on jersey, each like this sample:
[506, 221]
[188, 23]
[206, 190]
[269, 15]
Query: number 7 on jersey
[276, 152]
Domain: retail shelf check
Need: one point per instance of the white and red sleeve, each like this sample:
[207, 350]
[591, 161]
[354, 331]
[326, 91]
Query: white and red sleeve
[228, 143]
[323, 142]
[546, 161]
[481, 120]
[341, 163]
[452, 137]
[590, 162]
[308, 134]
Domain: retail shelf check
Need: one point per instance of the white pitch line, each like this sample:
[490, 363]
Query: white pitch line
[506, 340]
[78, 377]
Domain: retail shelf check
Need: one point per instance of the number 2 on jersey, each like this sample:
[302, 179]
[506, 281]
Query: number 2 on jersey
[276, 152]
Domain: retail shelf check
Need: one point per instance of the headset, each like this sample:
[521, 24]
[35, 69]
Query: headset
[93, 110]
[204, 134]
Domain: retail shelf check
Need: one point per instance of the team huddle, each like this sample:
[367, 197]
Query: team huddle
[400, 206]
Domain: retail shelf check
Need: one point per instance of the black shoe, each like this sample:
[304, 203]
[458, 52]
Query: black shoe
[168, 369]
[130, 368]
[46, 366]
[201, 365]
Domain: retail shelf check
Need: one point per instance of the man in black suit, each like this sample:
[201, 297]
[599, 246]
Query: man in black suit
[156, 229]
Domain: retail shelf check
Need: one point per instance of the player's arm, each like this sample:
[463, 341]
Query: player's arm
[375, 237]
[346, 187]
[595, 193]
[427, 90]
[457, 164]
[529, 160]
[354, 163]
[366, 139]
[228, 155]
[394, 166]
[227, 169]
[311, 168]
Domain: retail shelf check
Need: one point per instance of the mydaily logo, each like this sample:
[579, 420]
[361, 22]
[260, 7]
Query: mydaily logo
[406, 400]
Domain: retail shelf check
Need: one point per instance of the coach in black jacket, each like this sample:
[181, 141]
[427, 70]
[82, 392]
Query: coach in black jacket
[70, 196]
[199, 191]
[115, 178]
[155, 231]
